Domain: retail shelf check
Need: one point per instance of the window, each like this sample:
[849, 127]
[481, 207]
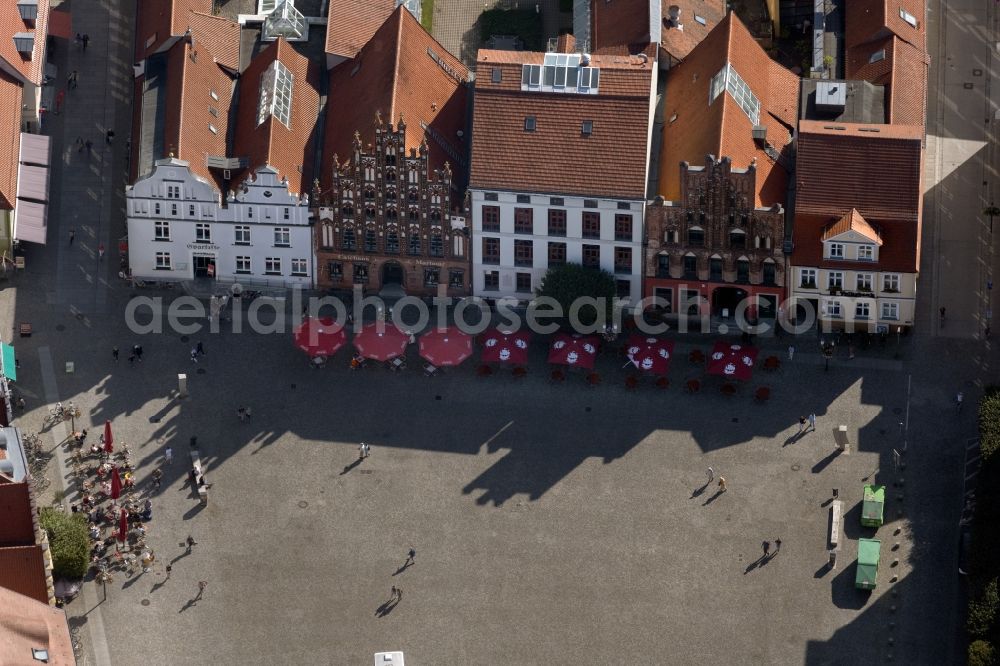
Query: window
[173, 209]
[523, 223]
[161, 231]
[371, 240]
[243, 265]
[529, 123]
[414, 246]
[249, 212]
[835, 280]
[727, 79]
[335, 270]
[836, 251]
[432, 275]
[743, 271]
[715, 269]
[173, 191]
[623, 227]
[690, 267]
[491, 280]
[491, 218]
[523, 281]
[862, 310]
[275, 94]
[524, 198]
[360, 272]
[878, 55]
[623, 288]
[491, 196]
[557, 222]
[456, 278]
[557, 201]
[213, 129]
[282, 237]
[491, 250]
[348, 241]
[272, 266]
[557, 254]
[623, 260]
[769, 271]
[700, 19]
[696, 236]
[662, 266]
[864, 282]
[436, 244]
[163, 261]
[242, 235]
[156, 208]
[908, 17]
[203, 233]
[392, 243]
[866, 253]
[807, 278]
[890, 282]
[591, 224]
[497, 75]
[190, 210]
[890, 311]
[286, 214]
[369, 194]
[523, 252]
[590, 203]
[592, 256]
[587, 127]
[737, 239]
[833, 309]
[624, 205]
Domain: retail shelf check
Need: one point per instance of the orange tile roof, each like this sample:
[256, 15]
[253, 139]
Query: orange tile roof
[288, 149]
[17, 526]
[218, 35]
[351, 23]
[899, 250]
[619, 23]
[696, 128]
[28, 70]
[10, 138]
[159, 20]
[852, 221]
[908, 89]
[678, 43]
[873, 168]
[396, 75]
[866, 20]
[557, 157]
[22, 569]
[25, 624]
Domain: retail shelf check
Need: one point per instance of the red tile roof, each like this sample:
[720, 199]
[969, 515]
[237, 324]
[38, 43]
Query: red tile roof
[159, 20]
[28, 70]
[866, 20]
[218, 35]
[17, 526]
[289, 149]
[874, 168]
[557, 157]
[900, 249]
[351, 23]
[401, 72]
[10, 138]
[902, 69]
[696, 127]
[679, 42]
[852, 221]
[619, 23]
[25, 624]
[22, 569]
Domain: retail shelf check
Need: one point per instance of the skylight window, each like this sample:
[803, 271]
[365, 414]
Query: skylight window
[728, 79]
[560, 72]
[276, 95]
[529, 123]
[587, 128]
[700, 19]
[908, 17]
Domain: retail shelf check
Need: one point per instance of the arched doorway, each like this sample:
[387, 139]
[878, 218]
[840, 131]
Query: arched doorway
[392, 273]
[726, 299]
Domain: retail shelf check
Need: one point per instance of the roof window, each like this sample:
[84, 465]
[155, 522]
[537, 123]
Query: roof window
[908, 17]
[213, 129]
[275, 94]
[497, 75]
[728, 79]
[587, 128]
[561, 72]
[878, 55]
[529, 123]
[700, 19]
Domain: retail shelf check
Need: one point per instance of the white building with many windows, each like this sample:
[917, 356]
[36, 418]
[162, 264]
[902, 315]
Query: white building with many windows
[178, 229]
[560, 158]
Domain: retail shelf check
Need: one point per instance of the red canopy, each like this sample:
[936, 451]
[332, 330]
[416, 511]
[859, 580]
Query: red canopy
[123, 526]
[446, 346]
[116, 483]
[108, 439]
[320, 337]
[381, 341]
[500, 347]
[573, 350]
[732, 360]
[650, 354]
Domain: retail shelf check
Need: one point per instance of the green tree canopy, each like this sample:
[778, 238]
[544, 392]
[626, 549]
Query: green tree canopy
[69, 542]
[570, 283]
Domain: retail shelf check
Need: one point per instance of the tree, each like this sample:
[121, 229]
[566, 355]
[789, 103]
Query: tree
[981, 653]
[569, 283]
[68, 541]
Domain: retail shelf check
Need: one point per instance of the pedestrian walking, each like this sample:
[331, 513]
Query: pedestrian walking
[169, 569]
[131, 358]
[89, 145]
[812, 422]
[72, 236]
[361, 451]
[157, 478]
[168, 455]
[60, 98]
[200, 348]
[766, 546]
[78, 40]
[791, 352]
[20, 404]
[395, 594]
[100, 252]
[109, 136]
[958, 402]
[71, 80]
[138, 351]
[114, 353]
[777, 546]
[247, 413]
[802, 424]
[722, 484]
[194, 355]
[190, 543]
[241, 414]
[711, 475]
[202, 584]
[411, 556]
[86, 40]
[79, 144]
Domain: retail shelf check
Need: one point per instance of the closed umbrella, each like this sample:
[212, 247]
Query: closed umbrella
[108, 439]
[445, 346]
[381, 341]
[123, 526]
[116, 483]
[320, 337]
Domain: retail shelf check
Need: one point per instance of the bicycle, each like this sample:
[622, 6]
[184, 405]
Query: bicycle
[39, 483]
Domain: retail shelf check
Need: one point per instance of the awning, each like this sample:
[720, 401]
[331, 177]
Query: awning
[35, 149]
[60, 23]
[30, 221]
[32, 182]
[9, 364]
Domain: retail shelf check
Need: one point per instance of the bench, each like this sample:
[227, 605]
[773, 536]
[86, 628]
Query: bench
[836, 512]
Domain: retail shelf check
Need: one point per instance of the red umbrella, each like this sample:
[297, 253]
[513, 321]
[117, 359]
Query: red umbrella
[381, 341]
[650, 354]
[108, 439]
[573, 350]
[445, 346]
[320, 337]
[500, 347]
[732, 360]
[116, 483]
[123, 526]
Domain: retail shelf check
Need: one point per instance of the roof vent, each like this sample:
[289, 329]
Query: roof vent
[831, 96]
[760, 132]
[584, 59]
[24, 42]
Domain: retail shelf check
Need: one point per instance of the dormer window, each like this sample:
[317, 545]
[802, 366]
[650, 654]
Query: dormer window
[866, 253]
[28, 10]
[836, 251]
[24, 42]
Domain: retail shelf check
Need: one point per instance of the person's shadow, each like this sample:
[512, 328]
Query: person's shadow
[190, 604]
[759, 562]
[698, 492]
[406, 565]
[387, 607]
[715, 496]
[350, 467]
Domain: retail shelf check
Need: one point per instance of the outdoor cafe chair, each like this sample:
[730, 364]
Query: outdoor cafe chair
[631, 383]
[762, 394]
[693, 386]
[696, 357]
[728, 389]
[484, 371]
[662, 382]
[519, 373]
[557, 376]
[593, 379]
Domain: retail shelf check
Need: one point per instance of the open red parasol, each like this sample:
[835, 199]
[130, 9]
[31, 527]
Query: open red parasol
[732, 360]
[445, 346]
[381, 341]
[320, 337]
[573, 350]
[108, 439]
[650, 354]
[500, 347]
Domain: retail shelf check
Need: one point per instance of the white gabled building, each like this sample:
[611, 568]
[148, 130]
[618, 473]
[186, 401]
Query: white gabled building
[179, 230]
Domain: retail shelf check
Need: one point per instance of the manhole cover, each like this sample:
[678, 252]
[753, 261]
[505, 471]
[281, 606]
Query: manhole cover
[184, 338]
[144, 602]
[60, 327]
[796, 467]
[201, 371]
[303, 504]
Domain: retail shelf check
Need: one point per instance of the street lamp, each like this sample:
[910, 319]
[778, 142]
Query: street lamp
[991, 211]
